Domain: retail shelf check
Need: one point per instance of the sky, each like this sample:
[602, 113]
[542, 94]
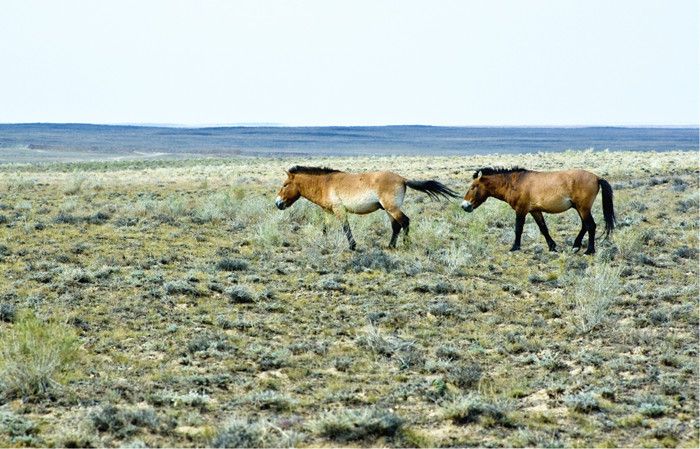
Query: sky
[375, 62]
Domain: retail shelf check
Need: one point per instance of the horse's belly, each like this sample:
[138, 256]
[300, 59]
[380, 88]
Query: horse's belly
[555, 206]
[362, 204]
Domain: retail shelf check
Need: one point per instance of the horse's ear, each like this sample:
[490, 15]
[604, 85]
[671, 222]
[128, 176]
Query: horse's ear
[478, 175]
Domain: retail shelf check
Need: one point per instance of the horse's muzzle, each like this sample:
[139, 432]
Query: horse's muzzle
[279, 202]
[467, 206]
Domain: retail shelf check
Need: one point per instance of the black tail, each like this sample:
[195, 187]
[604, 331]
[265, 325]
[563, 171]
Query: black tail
[608, 211]
[433, 188]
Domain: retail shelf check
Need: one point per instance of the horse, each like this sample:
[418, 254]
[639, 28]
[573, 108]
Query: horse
[536, 192]
[340, 193]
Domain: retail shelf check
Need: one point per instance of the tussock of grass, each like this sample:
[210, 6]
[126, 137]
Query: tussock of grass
[594, 294]
[36, 356]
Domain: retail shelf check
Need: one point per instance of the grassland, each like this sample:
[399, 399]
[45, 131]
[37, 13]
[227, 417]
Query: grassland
[169, 303]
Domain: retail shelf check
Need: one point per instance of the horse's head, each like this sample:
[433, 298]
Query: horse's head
[477, 193]
[288, 194]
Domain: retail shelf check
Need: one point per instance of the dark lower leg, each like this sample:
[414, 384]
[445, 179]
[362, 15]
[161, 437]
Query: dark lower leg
[348, 234]
[519, 223]
[539, 219]
[404, 224]
[395, 229]
[579, 237]
[590, 224]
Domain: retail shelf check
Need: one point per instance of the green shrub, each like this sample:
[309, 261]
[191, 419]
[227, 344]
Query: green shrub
[35, 356]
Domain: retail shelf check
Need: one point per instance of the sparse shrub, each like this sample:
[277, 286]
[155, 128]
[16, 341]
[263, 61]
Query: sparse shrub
[375, 259]
[652, 407]
[472, 408]
[551, 360]
[465, 375]
[180, 287]
[356, 425]
[207, 341]
[227, 264]
[582, 402]
[239, 294]
[688, 204]
[76, 276]
[65, 218]
[342, 364]
[124, 422]
[331, 284]
[678, 185]
[448, 352]
[240, 433]
[36, 356]
[271, 400]
[3, 219]
[74, 185]
[19, 430]
[593, 294]
[275, 359]
[7, 312]
[443, 308]
[405, 352]
[685, 252]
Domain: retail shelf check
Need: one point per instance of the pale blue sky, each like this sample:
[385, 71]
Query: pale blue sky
[527, 62]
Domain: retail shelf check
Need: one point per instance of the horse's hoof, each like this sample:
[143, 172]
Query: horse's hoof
[515, 248]
[589, 252]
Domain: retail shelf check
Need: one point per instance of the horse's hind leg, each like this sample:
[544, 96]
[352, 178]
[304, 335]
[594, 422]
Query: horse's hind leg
[400, 219]
[395, 230]
[590, 224]
[587, 225]
[539, 219]
[579, 237]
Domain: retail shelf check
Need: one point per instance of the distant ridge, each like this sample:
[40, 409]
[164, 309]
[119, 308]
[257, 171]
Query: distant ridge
[100, 141]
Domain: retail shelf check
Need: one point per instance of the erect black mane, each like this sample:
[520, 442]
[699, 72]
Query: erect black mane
[312, 170]
[485, 171]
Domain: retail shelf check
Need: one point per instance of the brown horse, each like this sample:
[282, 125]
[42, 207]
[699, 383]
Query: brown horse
[536, 192]
[358, 193]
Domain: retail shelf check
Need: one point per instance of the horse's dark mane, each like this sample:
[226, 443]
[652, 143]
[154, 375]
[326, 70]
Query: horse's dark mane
[312, 170]
[485, 171]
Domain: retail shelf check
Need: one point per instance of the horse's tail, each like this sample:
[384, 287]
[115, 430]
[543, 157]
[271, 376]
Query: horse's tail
[608, 211]
[434, 189]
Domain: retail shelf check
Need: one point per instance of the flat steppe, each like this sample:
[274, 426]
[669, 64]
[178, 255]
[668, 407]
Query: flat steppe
[169, 303]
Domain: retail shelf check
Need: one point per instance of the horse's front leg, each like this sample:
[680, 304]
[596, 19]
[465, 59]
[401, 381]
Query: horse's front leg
[342, 215]
[519, 224]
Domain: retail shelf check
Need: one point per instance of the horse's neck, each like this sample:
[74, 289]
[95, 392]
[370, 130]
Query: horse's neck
[504, 189]
[313, 188]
